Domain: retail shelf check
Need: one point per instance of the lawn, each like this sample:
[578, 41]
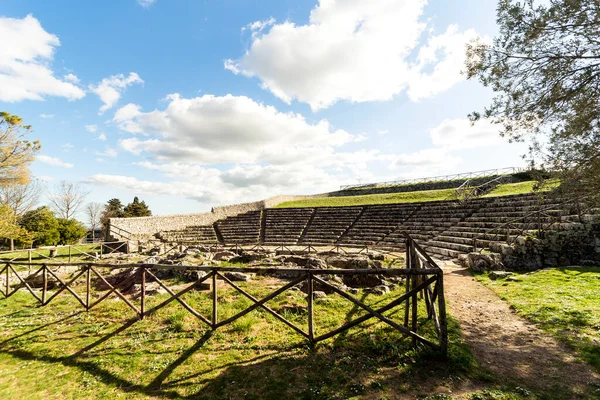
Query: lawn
[60, 351]
[62, 253]
[563, 301]
[405, 197]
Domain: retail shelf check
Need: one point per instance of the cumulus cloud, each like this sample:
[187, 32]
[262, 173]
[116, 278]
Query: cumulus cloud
[212, 186]
[102, 137]
[227, 149]
[55, 161]
[461, 134]
[108, 152]
[146, 3]
[109, 90]
[91, 128]
[25, 58]
[227, 129]
[353, 50]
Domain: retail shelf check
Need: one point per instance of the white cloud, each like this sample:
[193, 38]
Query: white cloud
[46, 116]
[461, 134]
[55, 161]
[91, 128]
[352, 50]
[67, 147]
[109, 89]
[146, 3]
[108, 152]
[101, 136]
[25, 58]
[71, 78]
[227, 149]
[446, 55]
[228, 129]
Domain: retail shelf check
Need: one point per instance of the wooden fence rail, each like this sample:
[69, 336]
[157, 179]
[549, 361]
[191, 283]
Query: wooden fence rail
[423, 280]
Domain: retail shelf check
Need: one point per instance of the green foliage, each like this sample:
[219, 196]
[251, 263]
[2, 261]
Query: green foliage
[43, 224]
[16, 153]
[9, 229]
[545, 72]
[137, 208]
[71, 231]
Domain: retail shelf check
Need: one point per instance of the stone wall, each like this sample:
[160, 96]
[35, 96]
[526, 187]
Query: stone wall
[575, 243]
[145, 227]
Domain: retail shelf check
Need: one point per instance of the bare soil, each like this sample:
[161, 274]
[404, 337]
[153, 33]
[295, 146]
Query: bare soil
[510, 347]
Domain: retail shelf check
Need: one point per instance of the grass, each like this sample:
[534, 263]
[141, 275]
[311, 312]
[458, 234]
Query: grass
[62, 253]
[59, 351]
[564, 302]
[521, 187]
[405, 197]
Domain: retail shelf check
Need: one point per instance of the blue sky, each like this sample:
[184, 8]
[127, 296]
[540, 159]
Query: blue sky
[192, 104]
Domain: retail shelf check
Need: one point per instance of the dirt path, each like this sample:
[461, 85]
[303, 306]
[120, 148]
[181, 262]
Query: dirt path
[509, 346]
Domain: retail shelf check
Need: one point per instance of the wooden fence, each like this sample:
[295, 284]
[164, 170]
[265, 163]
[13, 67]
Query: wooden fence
[423, 279]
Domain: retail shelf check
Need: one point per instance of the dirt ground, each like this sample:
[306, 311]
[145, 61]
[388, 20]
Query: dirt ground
[509, 346]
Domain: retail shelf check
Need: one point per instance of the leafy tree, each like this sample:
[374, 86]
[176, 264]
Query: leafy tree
[20, 198]
[112, 209]
[71, 231]
[544, 68]
[16, 153]
[42, 223]
[9, 228]
[137, 209]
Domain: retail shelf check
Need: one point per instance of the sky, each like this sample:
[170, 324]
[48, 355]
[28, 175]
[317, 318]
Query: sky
[194, 104]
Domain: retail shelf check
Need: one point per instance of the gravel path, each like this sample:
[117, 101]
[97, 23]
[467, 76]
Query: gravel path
[508, 345]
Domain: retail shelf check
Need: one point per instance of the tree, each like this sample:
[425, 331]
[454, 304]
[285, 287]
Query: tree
[71, 231]
[137, 209]
[94, 212]
[8, 227]
[20, 198]
[112, 209]
[16, 153]
[66, 199]
[42, 223]
[544, 68]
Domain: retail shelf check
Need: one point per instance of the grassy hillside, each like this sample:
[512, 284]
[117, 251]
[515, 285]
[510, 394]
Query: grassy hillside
[406, 197]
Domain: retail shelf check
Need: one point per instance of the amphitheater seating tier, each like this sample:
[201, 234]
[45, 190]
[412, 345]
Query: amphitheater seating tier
[444, 228]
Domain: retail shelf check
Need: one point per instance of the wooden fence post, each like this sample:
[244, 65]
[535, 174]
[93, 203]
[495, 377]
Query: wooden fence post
[311, 332]
[88, 280]
[44, 283]
[143, 292]
[442, 311]
[70, 253]
[214, 299]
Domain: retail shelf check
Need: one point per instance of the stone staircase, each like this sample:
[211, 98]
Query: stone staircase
[444, 228]
[329, 223]
[190, 234]
[240, 229]
[285, 225]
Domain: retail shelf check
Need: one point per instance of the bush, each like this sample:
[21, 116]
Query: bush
[71, 231]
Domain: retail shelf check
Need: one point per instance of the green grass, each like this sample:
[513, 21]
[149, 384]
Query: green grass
[521, 187]
[62, 352]
[405, 197]
[62, 253]
[564, 302]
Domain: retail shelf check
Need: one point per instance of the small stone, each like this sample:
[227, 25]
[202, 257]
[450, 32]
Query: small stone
[319, 294]
[353, 290]
[236, 276]
[500, 274]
